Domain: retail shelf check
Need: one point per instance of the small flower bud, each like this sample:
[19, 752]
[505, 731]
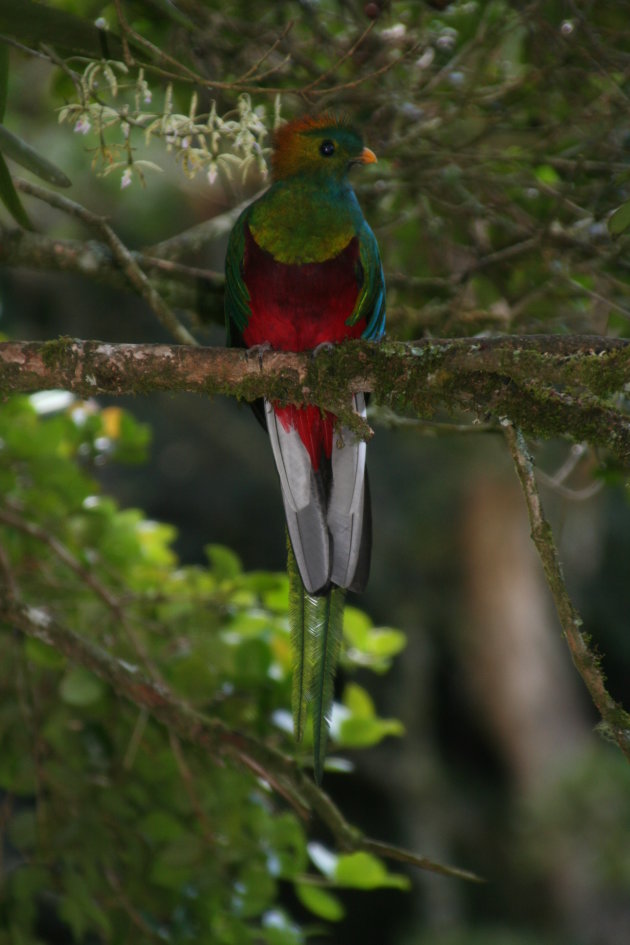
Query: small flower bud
[82, 125]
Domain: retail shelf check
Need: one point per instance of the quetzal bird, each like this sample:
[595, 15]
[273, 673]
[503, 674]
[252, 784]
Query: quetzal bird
[303, 269]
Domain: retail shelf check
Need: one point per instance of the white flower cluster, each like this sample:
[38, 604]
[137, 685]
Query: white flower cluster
[232, 143]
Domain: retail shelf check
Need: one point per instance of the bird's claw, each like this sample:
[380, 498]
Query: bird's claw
[322, 346]
[258, 351]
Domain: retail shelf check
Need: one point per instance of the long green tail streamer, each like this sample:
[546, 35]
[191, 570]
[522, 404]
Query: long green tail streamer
[316, 629]
[300, 640]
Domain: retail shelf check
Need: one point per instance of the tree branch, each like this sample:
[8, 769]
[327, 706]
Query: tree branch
[122, 255]
[184, 287]
[550, 385]
[616, 720]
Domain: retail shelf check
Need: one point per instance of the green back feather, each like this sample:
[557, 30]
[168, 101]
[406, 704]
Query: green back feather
[237, 310]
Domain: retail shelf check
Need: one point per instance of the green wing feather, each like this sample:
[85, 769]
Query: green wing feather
[371, 301]
[237, 310]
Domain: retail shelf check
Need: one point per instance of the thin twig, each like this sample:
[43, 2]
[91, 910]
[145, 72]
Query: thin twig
[135, 916]
[186, 287]
[200, 235]
[12, 519]
[573, 495]
[388, 418]
[122, 22]
[125, 259]
[347, 55]
[253, 70]
[191, 791]
[392, 852]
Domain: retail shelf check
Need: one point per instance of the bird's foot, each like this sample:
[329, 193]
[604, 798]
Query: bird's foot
[258, 351]
[322, 346]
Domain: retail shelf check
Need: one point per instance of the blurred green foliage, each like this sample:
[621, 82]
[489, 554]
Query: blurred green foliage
[107, 823]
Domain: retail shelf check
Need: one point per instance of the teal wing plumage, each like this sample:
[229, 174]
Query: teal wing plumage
[371, 300]
[237, 310]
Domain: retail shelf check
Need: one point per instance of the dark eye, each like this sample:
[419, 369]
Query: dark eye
[327, 148]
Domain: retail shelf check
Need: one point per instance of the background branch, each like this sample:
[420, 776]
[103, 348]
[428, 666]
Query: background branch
[137, 278]
[616, 720]
[184, 287]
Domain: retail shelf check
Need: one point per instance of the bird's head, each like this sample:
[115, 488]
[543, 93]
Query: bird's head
[322, 146]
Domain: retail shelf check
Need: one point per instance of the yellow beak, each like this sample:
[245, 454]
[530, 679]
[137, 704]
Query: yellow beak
[367, 157]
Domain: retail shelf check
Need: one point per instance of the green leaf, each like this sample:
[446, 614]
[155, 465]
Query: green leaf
[370, 646]
[249, 624]
[620, 219]
[79, 907]
[385, 642]
[252, 662]
[358, 700]
[364, 871]
[362, 733]
[363, 727]
[9, 197]
[81, 688]
[254, 891]
[131, 438]
[320, 902]
[43, 655]
[225, 563]
[546, 174]
[154, 538]
[26, 156]
[178, 863]
[287, 856]
[160, 826]
[356, 626]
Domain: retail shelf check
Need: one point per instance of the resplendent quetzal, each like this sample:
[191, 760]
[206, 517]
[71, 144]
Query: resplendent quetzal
[303, 269]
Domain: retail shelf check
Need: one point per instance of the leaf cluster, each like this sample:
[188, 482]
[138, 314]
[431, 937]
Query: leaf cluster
[180, 848]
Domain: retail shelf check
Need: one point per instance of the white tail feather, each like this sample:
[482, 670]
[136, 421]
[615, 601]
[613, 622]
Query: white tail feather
[347, 496]
[303, 503]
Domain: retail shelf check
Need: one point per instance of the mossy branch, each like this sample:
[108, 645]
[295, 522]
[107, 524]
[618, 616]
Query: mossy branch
[547, 384]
